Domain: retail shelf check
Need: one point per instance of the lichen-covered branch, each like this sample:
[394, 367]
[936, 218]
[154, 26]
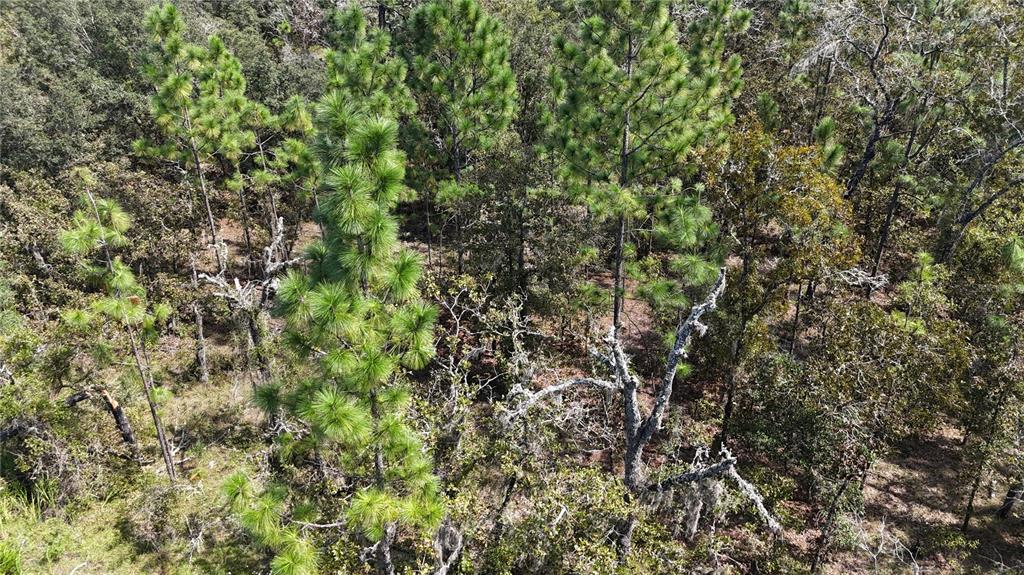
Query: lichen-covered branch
[531, 398]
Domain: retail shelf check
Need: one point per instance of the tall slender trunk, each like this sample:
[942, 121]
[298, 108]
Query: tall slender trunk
[826, 530]
[271, 199]
[820, 95]
[881, 121]
[883, 236]
[634, 447]
[459, 241]
[992, 425]
[384, 562]
[244, 205]
[894, 199]
[624, 181]
[521, 251]
[194, 151]
[204, 371]
[618, 284]
[795, 333]
[969, 512]
[430, 239]
[722, 438]
[147, 382]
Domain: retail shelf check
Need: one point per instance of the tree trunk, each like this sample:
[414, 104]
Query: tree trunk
[244, 206]
[521, 252]
[457, 173]
[626, 538]
[147, 382]
[624, 180]
[194, 150]
[826, 531]
[1013, 494]
[121, 420]
[883, 236]
[795, 333]
[618, 284]
[385, 565]
[869, 151]
[993, 423]
[820, 95]
[204, 371]
[969, 512]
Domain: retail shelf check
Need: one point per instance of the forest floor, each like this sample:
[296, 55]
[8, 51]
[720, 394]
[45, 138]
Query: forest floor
[918, 495]
[129, 530]
[915, 496]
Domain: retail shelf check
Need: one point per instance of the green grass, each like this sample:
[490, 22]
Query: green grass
[115, 536]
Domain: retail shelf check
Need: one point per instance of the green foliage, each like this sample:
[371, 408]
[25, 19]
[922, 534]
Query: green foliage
[70, 94]
[633, 102]
[361, 68]
[10, 559]
[199, 101]
[460, 58]
[865, 210]
[357, 319]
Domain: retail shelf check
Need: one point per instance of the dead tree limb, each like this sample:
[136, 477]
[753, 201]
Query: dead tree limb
[639, 429]
[724, 469]
[531, 398]
[448, 547]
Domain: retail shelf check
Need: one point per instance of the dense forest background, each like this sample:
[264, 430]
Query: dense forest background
[511, 286]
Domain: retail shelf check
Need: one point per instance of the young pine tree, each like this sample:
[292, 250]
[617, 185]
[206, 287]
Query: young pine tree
[196, 104]
[362, 78]
[200, 108]
[357, 317]
[632, 103]
[97, 228]
[460, 56]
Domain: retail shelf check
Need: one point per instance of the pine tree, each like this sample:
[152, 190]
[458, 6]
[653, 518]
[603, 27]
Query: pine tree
[363, 77]
[633, 104]
[97, 228]
[357, 317]
[201, 111]
[207, 121]
[357, 314]
[460, 59]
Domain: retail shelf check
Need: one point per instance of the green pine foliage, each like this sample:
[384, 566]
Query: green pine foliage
[462, 76]
[98, 227]
[425, 215]
[467, 93]
[357, 317]
[633, 103]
